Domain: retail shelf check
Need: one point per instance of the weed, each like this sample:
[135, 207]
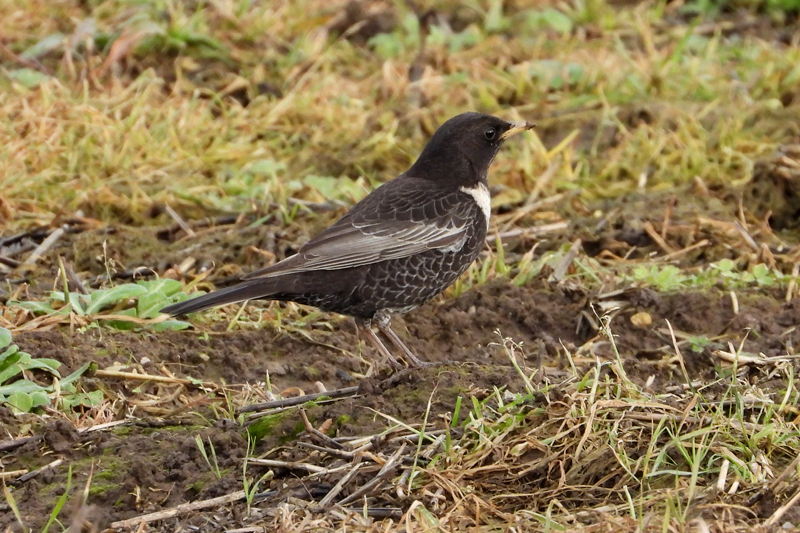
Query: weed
[211, 461]
[126, 306]
[25, 395]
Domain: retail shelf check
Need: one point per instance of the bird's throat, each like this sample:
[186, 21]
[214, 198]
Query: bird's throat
[480, 193]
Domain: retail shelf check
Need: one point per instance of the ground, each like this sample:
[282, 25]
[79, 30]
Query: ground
[620, 358]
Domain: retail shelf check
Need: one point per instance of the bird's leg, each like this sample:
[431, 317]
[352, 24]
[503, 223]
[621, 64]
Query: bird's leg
[376, 341]
[383, 320]
[412, 359]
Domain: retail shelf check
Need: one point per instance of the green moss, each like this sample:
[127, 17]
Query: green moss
[197, 486]
[312, 373]
[110, 469]
[298, 428]
[98, 489]
[120, 431]
[267, 426]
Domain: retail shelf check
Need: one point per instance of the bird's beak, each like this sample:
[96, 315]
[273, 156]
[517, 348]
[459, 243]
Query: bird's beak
[517, 127]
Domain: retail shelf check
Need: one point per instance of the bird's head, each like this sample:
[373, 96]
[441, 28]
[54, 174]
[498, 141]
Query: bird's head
[462, 149]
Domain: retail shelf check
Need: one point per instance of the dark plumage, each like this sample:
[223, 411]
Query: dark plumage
[400, 246]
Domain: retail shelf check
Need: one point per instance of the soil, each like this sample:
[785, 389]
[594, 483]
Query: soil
[156, 463]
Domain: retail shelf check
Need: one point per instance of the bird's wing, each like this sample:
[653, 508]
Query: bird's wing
[409, 216]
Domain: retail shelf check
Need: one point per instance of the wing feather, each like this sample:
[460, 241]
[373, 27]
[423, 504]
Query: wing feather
[383, 227]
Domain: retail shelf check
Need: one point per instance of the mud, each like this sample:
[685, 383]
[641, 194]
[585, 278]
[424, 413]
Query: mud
[146, 467]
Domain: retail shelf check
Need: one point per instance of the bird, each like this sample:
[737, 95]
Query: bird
[397, 248]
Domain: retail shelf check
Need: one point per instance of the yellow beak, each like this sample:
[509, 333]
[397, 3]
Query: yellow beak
[517, 127]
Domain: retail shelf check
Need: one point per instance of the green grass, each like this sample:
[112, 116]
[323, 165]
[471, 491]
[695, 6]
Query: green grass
[112, 110]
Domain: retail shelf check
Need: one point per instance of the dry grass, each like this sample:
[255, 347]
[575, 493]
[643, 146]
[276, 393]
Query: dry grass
[136, 117]
[572, 452]
[112, 110]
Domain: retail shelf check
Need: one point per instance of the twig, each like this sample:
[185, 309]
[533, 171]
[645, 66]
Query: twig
[144, 377]
[340, 454]
[177, 218]
[544, 180]
[789, 470]
[723, 474]
[13, 263]
[697, 420]
[562, 268]
[12, 474]
[651, 231]
[138, 272]
[29, 63]
[758, 360]
[414, 437]
[24, 238]
[289, 465]
[377, 512]
[667, 216]
[531, 205]
[527, 232]
[326, 501]
[684, 387]
[26, 246]
[695, 246]
[337, 393]
[792, 282]
[179, 510]
[384, 472]
[314, 432]
[679, 355]
[75, 283]
[432, 448]
[45, 246]
[778, 514]
[106, 425]
[33, 473]
[587, 431]
[8, 445]
[544, 461]
[746, 235]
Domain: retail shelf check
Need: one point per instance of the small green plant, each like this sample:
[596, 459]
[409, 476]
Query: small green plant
[25, 395]
[251, 487]
[550, 18]
[140, 300]
[698, 344]
[761, 274]
[452, 423]
[722, 273]
[53, 518]
[60, 503]
[212, 461]
[405, 37]
[663, 278]
[12, 502]
[712, 8]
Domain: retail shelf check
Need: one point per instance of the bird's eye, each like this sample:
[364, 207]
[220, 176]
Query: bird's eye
[489, 134]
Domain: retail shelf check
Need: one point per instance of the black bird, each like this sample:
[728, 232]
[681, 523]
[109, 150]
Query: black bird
[397, 248]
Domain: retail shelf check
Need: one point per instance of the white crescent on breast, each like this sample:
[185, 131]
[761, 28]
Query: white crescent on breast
[482, 197]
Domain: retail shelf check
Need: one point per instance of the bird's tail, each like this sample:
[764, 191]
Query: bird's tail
[258, 288]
